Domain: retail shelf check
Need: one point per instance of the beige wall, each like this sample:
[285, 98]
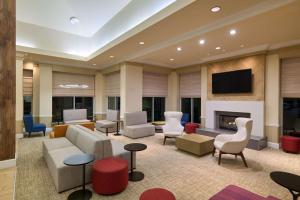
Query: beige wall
[131, 88]
[172, 101]
[272, 98]
[256, 63]
[45, 94]
[19, 94]
[203, 93]
[100, 98]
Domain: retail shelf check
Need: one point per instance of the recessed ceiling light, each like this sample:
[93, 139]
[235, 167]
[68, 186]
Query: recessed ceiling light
[111, 56]
[215, 9]
[141, 43]
[179, 48]
[74, 20]
[242, 46]
[94, 64]
[202, 41]
[171, 59]
[218, 48]
[232, 32]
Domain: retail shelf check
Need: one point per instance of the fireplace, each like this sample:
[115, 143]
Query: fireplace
[226, 120]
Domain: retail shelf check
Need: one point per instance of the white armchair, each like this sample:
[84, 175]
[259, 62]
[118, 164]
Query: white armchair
[234, 143]
[173, 127]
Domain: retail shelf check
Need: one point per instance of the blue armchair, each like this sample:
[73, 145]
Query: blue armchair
[185, 119]
[31, 127]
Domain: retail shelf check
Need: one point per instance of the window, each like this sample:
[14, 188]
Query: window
[27, 104]
[192, 106]
[63, 103]
[155, 108]
[291, 115]
[114, 103]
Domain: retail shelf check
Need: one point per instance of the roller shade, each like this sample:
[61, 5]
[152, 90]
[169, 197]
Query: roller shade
[66, 84]
[27, 82]
[290, 81]
[190, 85]
[155, 85]
[112, 84]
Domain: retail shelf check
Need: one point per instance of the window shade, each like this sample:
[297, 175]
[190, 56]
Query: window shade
[62, 82]
[27, 82]
[290, 81]
[155, 85]
[190, 84]
[112, 84]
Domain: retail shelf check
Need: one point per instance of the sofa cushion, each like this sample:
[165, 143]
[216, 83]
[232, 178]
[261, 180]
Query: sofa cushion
[138, 131]
[135, 118]
[105, 124]
[77, 121]
[72, 133]
[77, 114]
[59, 155]
[56, 143]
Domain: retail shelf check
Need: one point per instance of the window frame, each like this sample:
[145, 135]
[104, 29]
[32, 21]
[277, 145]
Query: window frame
[152, 107]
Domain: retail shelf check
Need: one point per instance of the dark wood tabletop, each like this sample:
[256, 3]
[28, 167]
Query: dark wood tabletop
[135, 147]
[287, 180]
[79, 159]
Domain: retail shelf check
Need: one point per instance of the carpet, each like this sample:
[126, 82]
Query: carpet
[189, 177]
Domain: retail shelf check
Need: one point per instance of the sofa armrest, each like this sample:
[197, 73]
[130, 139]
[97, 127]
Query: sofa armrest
[59, 131]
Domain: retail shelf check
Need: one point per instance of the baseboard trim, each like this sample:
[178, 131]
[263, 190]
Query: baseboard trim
[273, 145]
[7, 163]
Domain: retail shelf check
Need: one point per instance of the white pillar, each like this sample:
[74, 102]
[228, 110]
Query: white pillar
[19, 93]
[131, 85]
[172, 103]
[203, 94]
[100, 107]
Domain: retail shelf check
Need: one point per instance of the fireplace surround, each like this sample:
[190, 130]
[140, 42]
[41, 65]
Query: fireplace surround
[226, 120]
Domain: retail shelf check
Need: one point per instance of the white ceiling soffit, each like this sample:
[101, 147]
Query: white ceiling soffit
[52, 34]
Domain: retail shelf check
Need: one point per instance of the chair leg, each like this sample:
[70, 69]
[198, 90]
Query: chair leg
[106, 131]
[165, 140]
[243, 158]
[220, 156]
[214, 151]
[29, 133]
[44, 133]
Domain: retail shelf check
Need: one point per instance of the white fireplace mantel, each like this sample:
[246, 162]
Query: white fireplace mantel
[255, 108]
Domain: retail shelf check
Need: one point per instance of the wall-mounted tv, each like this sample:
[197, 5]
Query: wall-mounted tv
[239, 81]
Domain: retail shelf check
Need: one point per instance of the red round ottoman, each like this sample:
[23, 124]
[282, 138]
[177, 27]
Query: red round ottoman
[290, 144]
[110, 175]
[191, 127]
[157, 194]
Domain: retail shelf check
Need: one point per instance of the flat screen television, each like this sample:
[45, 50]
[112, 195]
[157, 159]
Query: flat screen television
[239, 81]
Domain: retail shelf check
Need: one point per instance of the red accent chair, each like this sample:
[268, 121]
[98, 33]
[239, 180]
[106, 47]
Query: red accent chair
[157, 194]
[290, 144]
[110, 175]
[191, 127]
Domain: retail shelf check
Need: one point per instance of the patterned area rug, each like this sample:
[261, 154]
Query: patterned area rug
[189, 177]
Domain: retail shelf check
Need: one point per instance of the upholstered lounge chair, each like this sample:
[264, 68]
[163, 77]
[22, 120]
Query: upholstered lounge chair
[31, 127]
[234, 143]
[112, 116]
[173, 127]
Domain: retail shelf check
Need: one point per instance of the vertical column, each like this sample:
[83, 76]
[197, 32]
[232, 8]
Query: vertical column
[36, 92]
[131, 86]
[173, 92]
[203, 94]
[272, 98]
[99, 96]
[45, 94]
[7, 79]
[19, 93]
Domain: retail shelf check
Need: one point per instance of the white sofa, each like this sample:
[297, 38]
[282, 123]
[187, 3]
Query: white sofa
[78, 140]
[136, 125]
[75, 116]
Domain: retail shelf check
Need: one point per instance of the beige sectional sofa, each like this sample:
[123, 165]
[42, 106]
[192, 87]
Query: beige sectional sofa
[78, 140]
[136, 125]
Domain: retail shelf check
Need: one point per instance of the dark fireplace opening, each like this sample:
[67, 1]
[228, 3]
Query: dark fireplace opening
[226, 120]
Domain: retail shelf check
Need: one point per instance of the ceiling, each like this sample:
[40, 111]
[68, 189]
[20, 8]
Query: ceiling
[55, 14]
[260, 24]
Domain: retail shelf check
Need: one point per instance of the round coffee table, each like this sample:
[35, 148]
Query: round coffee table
[76, 160]
[133, 147]
[289, 181]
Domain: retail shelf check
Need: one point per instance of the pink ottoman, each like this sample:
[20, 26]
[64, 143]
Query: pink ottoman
[191, 127]
[157, 194]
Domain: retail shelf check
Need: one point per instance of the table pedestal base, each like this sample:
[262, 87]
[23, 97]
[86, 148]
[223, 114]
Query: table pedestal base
[117, 134]
[136, 176]
[80, 195]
